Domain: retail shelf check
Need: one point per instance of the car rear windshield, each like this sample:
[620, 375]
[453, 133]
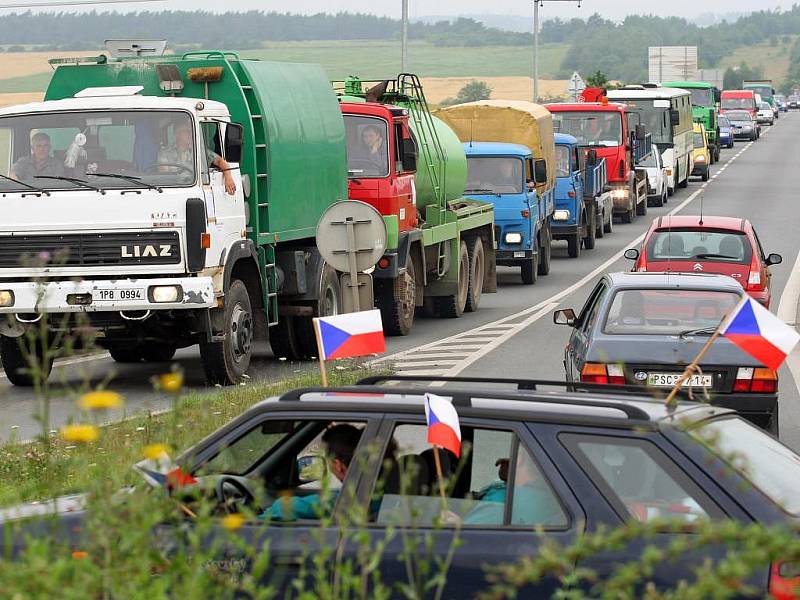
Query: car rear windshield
[774, 469]
[739, 115]
[667, 311]
[699, 244]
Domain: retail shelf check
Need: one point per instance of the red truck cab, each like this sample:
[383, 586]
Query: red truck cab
[739, 100]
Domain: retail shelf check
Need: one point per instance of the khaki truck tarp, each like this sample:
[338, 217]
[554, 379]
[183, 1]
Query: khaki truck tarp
[508, 121]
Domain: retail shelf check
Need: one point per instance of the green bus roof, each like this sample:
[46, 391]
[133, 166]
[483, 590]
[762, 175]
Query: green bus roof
[688, 84]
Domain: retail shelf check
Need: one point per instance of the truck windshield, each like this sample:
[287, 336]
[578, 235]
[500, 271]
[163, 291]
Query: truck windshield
[562, 161]
[367, 150]
[141, 149]
[765, 91]
[591, 128]
[494, 175]
[729, 103]
[655, 119]
[701, 97]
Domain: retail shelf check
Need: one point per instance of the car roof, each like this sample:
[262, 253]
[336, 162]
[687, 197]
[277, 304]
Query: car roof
[672, 280]
[495, 149]
[565, 138]
[696, 221]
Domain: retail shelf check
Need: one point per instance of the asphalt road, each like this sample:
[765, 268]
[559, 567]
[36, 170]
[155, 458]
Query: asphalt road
[512, 333]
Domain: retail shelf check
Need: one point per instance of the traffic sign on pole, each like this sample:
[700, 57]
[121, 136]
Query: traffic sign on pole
[576, 85]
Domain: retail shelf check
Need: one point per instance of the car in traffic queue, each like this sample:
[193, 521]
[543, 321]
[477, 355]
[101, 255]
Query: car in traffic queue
[794, 101]
[701, 155]
[644, 328]
[708, 244]
[743, 125]
[781, 102]
[560, 460]
[766, 114]
[657, 178]
[726, 139]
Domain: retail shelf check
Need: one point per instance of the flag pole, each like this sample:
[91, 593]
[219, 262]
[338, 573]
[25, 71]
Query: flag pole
[692, 367]
[439, 475]
[322, 370]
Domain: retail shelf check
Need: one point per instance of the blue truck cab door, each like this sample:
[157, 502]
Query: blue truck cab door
[532, 200]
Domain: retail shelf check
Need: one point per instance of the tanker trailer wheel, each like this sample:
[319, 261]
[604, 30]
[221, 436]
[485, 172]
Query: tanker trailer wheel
[14, 355]
[397, 299]
[477, 271]
[328, 303]
[545, 250]
[226, 362]
[452, 306]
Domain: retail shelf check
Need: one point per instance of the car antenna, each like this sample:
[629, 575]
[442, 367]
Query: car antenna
[702, 197]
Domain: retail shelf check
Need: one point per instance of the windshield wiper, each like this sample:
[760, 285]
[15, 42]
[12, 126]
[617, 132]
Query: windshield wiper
[74, 180]
[701, 330]
[27, 185]
[131, 178]
[481, 191]
[715, 256]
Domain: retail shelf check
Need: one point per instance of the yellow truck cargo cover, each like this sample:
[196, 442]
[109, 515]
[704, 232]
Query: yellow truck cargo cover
[508, 121]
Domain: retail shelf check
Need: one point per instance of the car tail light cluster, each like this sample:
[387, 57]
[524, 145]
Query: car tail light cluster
[784, 581]
[602, 373]
[754, 281]
[756, 380]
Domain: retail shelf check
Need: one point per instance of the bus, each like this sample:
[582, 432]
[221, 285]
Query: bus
[704, 110]
[667, 115]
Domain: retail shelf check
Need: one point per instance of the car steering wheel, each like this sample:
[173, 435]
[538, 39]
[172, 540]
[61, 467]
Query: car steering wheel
[232, 493]
[156, 165]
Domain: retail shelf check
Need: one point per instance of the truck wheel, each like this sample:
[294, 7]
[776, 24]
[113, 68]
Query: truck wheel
[158, 353]
[599, 231]
[529, 270]
[609, 227]
[396, 300]
[283, 340]
[477, 270]
[545, 251]
[641, 208]
[226, 362]
[126, 354]
[628, 215]
[452, 306]
[589, 240]
[574, 246]
[705, 175]
[16, 365]
[328, 304]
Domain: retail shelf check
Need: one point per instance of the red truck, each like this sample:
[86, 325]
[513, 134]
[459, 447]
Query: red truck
[739, 100]
[613, 132]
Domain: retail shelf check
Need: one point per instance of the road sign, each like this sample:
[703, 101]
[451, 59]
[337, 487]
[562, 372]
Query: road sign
[576, 85]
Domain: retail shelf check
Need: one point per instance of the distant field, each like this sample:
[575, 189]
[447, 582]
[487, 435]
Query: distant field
[773, 59]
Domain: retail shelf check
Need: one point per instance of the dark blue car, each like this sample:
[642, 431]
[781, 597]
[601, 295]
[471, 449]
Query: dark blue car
[725, 132]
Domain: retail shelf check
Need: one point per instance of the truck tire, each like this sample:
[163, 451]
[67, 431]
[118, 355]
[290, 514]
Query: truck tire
[226, 362]
[574, 245]
[396, 300]
[705, 175]
[452, 306]
[329, 303]
[529, 270]
[609, 227]
[641, 208]
[545, 250]
[283, 340]
[16, 365]
[477, 270]
[126, 354]
[599, 231]
[589, 240]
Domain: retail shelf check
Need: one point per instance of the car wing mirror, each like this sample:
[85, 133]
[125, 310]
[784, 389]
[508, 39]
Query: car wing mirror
[774, 259]
[565, 316]
[632, 254]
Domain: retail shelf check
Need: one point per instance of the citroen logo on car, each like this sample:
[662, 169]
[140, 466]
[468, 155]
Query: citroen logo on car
[697, 267]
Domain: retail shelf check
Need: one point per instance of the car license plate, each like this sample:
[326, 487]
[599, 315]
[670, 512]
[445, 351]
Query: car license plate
[117, 295]
[670, 379]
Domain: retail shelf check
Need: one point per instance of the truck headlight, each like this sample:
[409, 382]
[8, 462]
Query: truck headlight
[513, 238]
[6, 298]
[161, 294]
[561, 215]
[619, 193]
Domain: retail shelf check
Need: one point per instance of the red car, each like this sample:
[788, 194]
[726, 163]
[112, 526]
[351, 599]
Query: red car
[691, 244]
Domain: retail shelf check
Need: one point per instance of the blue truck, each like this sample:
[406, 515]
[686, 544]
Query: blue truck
[499, 173]
[583, 206]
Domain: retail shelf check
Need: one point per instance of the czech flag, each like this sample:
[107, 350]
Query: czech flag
[350, 335]
[759, 333]
[443, 428]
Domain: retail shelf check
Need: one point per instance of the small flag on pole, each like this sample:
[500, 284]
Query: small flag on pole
[350, 335]
[759, 333]
[443, 428]
[162, 472]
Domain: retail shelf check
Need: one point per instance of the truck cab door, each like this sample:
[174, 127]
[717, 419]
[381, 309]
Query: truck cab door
[532, 199]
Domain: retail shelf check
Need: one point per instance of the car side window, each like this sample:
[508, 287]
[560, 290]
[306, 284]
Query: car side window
[589, 317]
[760, 247]
[496, 482]
[640, 480]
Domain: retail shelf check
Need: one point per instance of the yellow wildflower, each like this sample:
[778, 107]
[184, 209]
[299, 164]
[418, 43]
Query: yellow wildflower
[155, 451]
[233, 521]
[80, 434]
[171, 382]
[100, 400]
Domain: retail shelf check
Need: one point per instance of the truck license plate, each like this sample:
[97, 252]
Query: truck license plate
[117, 295]
[670, 379]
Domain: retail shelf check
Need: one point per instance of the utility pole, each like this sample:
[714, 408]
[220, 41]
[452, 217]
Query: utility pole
[536, 5]
[404, 39]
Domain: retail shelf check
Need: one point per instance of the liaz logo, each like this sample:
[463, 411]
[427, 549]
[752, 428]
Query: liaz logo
[164, 250]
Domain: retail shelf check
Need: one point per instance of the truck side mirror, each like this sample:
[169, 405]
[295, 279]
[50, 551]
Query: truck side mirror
[539, 171]
[640, 132]
[234, 141]
[674, 117]
[409, 154]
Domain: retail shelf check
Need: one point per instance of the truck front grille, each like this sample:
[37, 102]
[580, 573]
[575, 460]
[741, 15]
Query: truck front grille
[90, 249]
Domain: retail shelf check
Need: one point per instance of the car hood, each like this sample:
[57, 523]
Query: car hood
[666, 350]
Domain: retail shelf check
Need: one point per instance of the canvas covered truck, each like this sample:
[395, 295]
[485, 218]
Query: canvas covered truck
[705, 99]
[133, 230]
[511, 163]
[408, 164]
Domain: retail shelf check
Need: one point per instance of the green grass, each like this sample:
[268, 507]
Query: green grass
[773, 59]
[27, 83]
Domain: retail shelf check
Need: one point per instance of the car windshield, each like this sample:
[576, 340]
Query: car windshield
[774, 469]
[739, 115]
[562, 161]
[699, 244]
[701, 97]
[75, 150]
[737, 103]
[367, 148]
[666, 311]
[723, 122]
[591, 128]
[494, 175]
[698, 140]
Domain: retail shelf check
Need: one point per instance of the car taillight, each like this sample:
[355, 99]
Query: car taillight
[754, 380]
[754, 279]
[784, 581]
[602, 373]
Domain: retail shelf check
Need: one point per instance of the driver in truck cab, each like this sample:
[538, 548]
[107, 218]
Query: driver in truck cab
[182, 153]
[374, 148]
[39, 162]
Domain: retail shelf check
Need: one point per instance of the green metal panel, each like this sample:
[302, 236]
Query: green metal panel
[455, 170]
[702, 114]
[294, 136]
